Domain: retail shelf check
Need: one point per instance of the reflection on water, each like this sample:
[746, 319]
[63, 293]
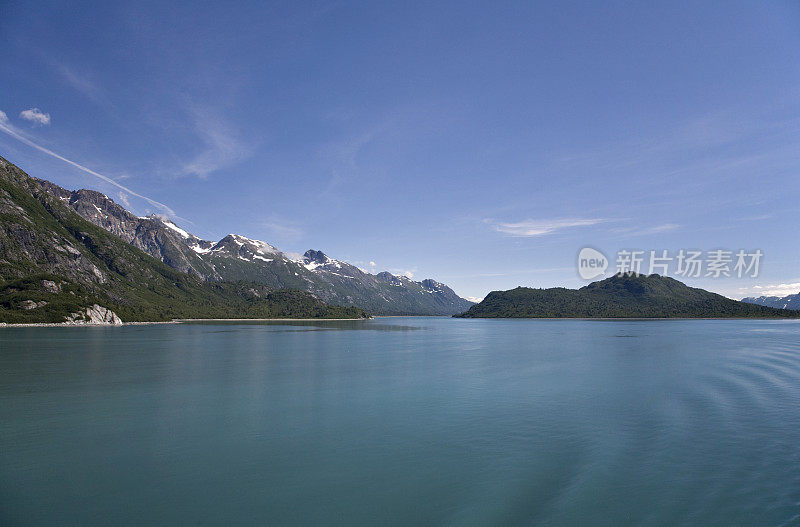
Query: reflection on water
[402, 421]
[281, 325]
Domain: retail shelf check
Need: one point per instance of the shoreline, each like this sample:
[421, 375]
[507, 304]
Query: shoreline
[74, 325]
[175, 321]
[182, 320]
[627, 318]
[247, 320]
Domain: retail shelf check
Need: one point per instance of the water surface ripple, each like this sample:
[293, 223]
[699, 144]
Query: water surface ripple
[402, 421]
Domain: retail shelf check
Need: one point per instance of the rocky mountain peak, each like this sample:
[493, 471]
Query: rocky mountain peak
[315, 256]
[433, 285]
[236, 246]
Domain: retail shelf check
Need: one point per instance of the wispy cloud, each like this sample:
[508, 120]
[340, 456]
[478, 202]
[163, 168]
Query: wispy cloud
[513, 272]
[222, 146]
[9, 129]
[283, 230]
[36, 116]
[710, 153]
[666, 227]
[124, 199]
[79, 82]
[757, 217]
[648, 231]
[531, 228]
[342, 158]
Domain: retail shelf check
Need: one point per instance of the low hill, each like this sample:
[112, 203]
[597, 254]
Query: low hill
[621, 296]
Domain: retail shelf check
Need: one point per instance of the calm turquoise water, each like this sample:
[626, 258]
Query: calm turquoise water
[402, 421]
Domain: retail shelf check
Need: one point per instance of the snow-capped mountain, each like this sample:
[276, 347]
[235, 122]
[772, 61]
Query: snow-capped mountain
[236, 257]
[781, 302]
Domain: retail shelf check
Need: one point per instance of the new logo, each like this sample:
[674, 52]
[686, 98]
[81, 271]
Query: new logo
[591, 263]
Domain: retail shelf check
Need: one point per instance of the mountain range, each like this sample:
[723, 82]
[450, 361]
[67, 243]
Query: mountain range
[237, 257]
[129, 241]
[620, 296]
[778, 302]
[55, 266]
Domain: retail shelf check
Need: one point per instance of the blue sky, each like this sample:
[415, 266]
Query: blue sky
[482, 144]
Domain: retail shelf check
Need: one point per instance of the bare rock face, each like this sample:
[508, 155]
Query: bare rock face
[30, 304]
[156, 236]
[95, 315]
[50, 286]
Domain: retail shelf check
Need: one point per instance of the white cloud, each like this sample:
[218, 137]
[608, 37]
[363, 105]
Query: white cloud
[36, 116]
[408, 273]
[529, 228]
[371, 263]
[475, 299]
[785, 289]
[3, 117]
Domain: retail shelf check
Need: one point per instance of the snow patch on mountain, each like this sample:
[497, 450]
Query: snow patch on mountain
[175, 228]
[199, 250]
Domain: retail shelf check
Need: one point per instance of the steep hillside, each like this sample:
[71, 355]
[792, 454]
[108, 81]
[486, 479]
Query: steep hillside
[54, 264]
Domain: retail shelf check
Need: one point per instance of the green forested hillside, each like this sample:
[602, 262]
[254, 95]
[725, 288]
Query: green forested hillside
[53, 262]
[621, 296]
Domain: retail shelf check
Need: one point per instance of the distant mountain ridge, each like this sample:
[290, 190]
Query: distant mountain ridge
[237, 257]
[620, 296]
[778, 302]
[55, 266]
